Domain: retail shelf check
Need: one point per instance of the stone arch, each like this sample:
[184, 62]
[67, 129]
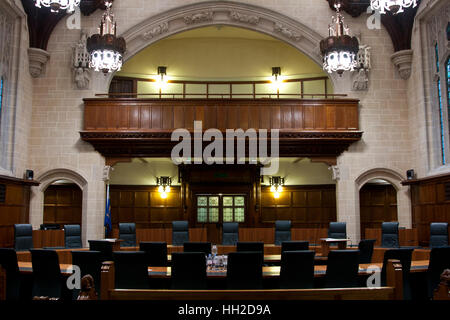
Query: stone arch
[228, 13]
[394, 178]
[46, 179]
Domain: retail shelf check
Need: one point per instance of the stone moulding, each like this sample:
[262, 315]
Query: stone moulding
[156, 31]
[245, 18]
[37, 59]
[403, 61]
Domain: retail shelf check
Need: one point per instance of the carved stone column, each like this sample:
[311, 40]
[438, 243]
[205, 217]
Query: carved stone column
[403, 61]
[38, 59]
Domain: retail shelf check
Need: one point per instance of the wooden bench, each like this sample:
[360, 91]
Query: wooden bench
[393, 290]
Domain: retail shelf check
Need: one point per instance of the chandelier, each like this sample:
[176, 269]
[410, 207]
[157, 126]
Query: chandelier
[105, 49]
[339, 50]
[56, 5]
[395, 6]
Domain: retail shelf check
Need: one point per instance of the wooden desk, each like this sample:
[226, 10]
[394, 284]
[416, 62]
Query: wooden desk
[326, 242]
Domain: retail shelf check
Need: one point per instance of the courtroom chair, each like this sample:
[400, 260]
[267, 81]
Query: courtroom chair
[131, 270]
[72, 236]
[23, 237]
[297, 269]
[250, 246]
[89, 262]
[366, 250]
[439, 261]
[8, 261]
[294, 246]
[405, 257]
[337, 230]
[156, 253]
[50, 226]
[389, 235]
[282, 231]
[105, 247]
[438, 234]
[230, 233]
[180, 232]
[204, 247]
[188, 271]
[127, 233]
[244, 270]
[47, 278]
[342, 269]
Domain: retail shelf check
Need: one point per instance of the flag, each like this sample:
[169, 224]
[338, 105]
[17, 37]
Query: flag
[108, 223]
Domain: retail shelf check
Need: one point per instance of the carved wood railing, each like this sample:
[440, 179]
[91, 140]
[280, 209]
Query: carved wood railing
[125, 127]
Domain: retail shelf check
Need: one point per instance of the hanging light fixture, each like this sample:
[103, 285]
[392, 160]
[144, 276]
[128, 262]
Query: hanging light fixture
[339, 50]
[277, 79]
[394, 6]
[164, 184]
[276, 186]
[105, 49]
[56, 5]
[161, 80]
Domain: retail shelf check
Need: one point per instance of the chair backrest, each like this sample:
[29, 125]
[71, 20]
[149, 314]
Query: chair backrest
[8, 261]
[180, 232]
[105, 247]
[127, 233]
[131, 270]
[282, 231]
[244, 270]
[366, 250]
[294, 246]
[389, 235]
[342, 269]
[204, 247]
[337, 230]
[405, 256]
[188, 270]
[439, 261]
[89, 262]
[230, 233]
[257, 246]
[47, 278]
[156, 253]
[72, 236]
[297, 269]
[438, 234]
[23, 237]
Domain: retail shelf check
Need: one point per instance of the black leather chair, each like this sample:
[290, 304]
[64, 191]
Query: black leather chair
[89, 262]
[180, 232]
[204, 247]
[189, 271]
[282, 231]
[244, 270]
[439, 261]
[405, 256]
[297, 269]
[230, 233]
[389, 235]
[105, 247]
[47, 278]
[366, 250]
[438, 234]
[23, 237]
[294, 246]
[156, 253]
[257, 246]
[337, 230]
[72, 236]
[8, 261]
[342, 269]
[127, 233]
[131, 270]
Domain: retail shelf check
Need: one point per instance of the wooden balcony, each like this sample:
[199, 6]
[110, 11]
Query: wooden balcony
[130, 127]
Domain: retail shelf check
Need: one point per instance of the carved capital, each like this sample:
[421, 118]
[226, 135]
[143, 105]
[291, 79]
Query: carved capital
[403, 61]
[37, 59]
[336, 172]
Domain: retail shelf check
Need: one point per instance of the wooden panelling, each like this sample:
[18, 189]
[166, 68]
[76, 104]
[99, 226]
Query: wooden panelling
[429, 204]
[378, 203]
[63, 204]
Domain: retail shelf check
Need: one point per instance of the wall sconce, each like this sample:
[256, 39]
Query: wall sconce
[277, 79]
[276, 186]
[161, 80]
[164, 184]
